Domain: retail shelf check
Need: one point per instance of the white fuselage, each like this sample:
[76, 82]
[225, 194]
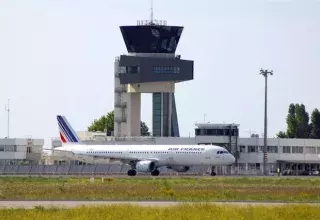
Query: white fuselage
[164, 155]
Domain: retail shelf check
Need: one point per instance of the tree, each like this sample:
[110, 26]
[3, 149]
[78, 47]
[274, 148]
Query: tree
[291, 122]
[144, 129]
[302, 122]
[315, 124]
[297, 123]
[106, 122]
[282, 134]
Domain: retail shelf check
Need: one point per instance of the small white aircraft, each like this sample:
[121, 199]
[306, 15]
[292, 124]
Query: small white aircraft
[144, 158]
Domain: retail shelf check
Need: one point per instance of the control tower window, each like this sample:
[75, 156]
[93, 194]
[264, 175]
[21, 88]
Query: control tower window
[166, 69]
[132, 69]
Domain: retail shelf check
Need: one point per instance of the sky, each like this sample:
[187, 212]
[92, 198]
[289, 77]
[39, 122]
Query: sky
[57, 57]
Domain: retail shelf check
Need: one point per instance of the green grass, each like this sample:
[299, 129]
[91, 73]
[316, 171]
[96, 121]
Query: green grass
[197, 211]
[176, 189]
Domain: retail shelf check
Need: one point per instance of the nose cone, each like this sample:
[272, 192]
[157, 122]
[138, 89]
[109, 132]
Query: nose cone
[231, 159]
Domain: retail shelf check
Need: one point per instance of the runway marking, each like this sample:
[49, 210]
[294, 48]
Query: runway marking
[72, 204]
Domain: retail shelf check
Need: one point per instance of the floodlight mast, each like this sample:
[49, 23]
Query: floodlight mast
[265, 74]
[151, 16]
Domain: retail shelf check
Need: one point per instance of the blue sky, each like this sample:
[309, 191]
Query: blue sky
[56, 57]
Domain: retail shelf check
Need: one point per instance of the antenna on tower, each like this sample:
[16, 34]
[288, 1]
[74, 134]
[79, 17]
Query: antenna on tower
[7, 108]
[151, 16]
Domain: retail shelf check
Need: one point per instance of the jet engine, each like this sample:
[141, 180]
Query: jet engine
[179, 168]
[145, 166]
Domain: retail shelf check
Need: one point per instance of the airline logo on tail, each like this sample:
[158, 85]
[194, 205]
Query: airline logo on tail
[67, 134]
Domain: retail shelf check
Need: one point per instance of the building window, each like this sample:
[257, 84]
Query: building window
[220, 132]
[286, 149]
[242, 166]
[272, 149]
[297, 150]
[310, 150]
[251, 166]
[242, 148]
[9, 148]
[166, 69]
[252, 149]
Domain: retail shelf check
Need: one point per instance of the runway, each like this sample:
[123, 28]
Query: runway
[71, 204]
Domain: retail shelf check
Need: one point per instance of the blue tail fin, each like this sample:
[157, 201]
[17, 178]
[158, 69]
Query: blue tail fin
[67, 134]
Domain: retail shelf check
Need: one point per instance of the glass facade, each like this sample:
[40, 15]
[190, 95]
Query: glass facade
[166, 69]
[216, 132]
[161, 106]
[175, 125]
[156, 114]
[151, 39]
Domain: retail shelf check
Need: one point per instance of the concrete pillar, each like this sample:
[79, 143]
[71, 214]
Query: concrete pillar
[133, 114]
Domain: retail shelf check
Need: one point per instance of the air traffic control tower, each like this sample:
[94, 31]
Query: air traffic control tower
[151, 66]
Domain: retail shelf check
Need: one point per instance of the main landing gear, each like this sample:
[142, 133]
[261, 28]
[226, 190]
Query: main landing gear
[132, 172]
[155, 173]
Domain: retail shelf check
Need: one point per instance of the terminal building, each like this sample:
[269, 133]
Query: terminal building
[19, 151]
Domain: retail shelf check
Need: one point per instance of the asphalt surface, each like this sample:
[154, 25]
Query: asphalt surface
[71, 204]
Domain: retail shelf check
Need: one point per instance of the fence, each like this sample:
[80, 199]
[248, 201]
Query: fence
[66, 169]
[110, 169]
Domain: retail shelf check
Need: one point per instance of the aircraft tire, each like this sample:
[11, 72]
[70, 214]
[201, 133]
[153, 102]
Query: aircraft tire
[213, 173]
[155, 173]
[132, 172]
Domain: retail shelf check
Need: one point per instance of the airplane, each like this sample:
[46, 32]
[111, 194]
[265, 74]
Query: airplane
[144, 158]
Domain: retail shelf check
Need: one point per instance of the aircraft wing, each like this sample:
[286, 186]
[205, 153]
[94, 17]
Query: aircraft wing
[156, 160]
[128, 161]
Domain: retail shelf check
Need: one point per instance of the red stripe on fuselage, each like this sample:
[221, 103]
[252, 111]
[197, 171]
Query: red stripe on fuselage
[62, 138]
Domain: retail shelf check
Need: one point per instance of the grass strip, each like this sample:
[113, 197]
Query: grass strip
[174, 189]
[187, 211]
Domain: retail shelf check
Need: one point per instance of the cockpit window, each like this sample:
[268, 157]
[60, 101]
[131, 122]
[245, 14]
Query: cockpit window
[222, 152]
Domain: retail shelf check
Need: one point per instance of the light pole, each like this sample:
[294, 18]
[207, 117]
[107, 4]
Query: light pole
[265, 73]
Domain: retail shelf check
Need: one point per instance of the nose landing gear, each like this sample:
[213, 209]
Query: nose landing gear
[212, 173]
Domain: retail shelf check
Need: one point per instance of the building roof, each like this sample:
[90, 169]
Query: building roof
[215, 125]
[300, 161]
